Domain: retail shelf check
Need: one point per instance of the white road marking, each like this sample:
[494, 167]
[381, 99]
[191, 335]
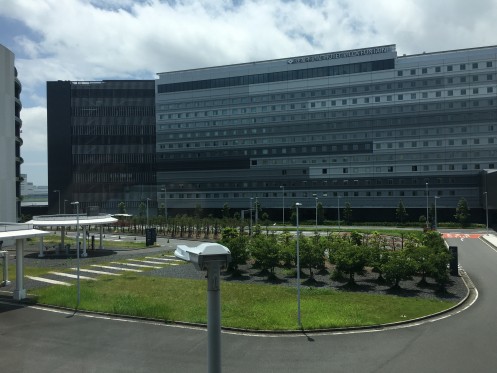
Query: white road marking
[48, 281]
[70, 275]
[137, 265]
[167, 260]
[146, 261]
[117, 268]
[97, 272]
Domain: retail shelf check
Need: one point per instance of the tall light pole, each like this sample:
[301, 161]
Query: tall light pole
[427, 194]
[436, 220]
[338, 198]
[165, 201]
[283, 210]
[77, 251]
[250, 225]
[316, 213]
[256, 210]
[298, 266]
[486, 207]
[148, 199]
[58, 191]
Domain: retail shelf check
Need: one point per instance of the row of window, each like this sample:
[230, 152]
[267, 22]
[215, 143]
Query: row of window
[326, 104]
[128, 158]
[113, 130]
[112, 111]
[446, 68]
[280, 76]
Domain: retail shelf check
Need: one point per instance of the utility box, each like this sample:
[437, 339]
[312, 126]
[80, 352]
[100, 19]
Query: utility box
[150, 236]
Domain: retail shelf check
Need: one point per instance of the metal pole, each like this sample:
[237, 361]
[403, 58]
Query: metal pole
[283, 187]
[436, 220]
[147, 211]
[338, 212]
[250, 225]
[316, 213]
[165, 201]
[256, 210]
[298, 266]
[427, 194]
[65, 206]
[58, 191]
[77, 253]
[486, 208]
[213, 318]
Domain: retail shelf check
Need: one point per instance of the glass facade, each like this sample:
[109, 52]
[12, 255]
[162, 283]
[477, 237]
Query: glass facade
[419, 124]
[103, 136]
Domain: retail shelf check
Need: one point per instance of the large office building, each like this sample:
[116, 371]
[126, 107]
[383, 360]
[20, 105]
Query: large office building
[101, 144]
[10, 138]
[363, 126]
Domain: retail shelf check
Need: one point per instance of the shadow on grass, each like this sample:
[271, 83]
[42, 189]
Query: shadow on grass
[355, 287]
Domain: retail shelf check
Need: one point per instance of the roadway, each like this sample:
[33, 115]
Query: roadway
[36, 340]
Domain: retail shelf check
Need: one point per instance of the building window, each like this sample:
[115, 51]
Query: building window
[413, 96]
[475, 91]
[449, 68]
[489, 63]
[424, 70]
[400, 97]
[438, 69]
[414, 168]
[413, 71]
[490, 89]
[399, 73]
[462, 66]
[475, 65]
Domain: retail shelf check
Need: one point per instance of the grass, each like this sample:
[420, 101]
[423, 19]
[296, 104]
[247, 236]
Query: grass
[258, 307]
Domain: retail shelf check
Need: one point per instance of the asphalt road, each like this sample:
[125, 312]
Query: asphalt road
[33, 340]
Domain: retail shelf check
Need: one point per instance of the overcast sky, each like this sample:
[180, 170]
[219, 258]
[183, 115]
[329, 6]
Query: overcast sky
[126, 39]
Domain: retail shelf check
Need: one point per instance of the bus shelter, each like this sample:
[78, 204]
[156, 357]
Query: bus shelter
[18, 232]
[68, 220]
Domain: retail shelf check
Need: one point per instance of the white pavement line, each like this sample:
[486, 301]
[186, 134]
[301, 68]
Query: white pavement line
[146, 261]
[72, 276]
[97, 272]
[167, 260]
[117, 268]
[48, 281]
[137, 265]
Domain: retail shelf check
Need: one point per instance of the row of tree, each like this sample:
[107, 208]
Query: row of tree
[424, 256]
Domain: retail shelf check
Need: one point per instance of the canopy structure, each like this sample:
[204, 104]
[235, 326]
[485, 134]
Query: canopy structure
[67, 220]
[19, 232]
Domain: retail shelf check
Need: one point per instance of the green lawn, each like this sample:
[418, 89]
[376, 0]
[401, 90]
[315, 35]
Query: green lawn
[258, 307]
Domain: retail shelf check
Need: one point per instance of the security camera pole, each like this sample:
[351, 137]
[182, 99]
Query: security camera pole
[210, 257]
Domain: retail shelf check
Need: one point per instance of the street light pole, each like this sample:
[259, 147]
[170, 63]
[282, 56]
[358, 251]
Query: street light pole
[256, 210]
[338, 212]
[298, 266]
[486, 208]
[77, 251]
[436, 220]
[148, 199]
[250, 225]
[165, 201]
[58, 191]
[283, 211]
[427, 195]
[316, 213]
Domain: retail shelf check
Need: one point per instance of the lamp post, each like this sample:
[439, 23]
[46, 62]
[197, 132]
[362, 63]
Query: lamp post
[436, 220]
[58, 191]
[256, 210]
[427, 195]
[165, 201]
[283, 210]
[250, 225]
[298, 266]
[338, 198]
[486, 208]
[148, 199]
[316, 213]
[76, 203]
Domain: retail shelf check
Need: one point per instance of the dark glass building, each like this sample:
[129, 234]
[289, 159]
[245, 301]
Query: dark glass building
[101, 144]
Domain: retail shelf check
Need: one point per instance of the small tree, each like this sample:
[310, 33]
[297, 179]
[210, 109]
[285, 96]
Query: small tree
[350, 259]
[121, 208]
[462, 212]
[347, 213]
[238, 246]
[311, 253]
[266, 251]
[401, 212]
[226, 211]
[399, 267]
[320, 213]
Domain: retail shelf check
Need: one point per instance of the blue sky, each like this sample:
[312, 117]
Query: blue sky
[131, 39]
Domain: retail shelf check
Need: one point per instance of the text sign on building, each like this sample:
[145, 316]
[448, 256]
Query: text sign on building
[344, 54]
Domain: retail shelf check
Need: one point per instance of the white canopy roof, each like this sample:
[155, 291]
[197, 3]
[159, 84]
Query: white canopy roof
[19, 230]
[71, 219]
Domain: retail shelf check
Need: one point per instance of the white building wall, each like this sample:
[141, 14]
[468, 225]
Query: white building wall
[8, 211]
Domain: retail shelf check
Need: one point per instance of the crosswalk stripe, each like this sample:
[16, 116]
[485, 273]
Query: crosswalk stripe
[137, 265]
[97, 272]
[167, 260]
[49, 281]
[117, 268]
[70, 275]
[145, 261]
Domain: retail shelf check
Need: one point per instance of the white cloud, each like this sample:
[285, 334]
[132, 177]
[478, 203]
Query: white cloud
[34, 128]
[112, 39]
